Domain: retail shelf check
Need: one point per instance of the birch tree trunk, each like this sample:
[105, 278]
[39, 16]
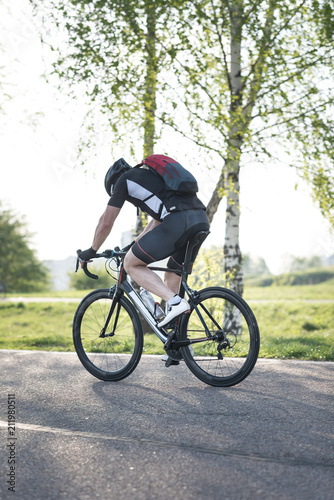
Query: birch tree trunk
[240, 116]
[150, 105]
[149, 95]
[149, 109]
[232, 254]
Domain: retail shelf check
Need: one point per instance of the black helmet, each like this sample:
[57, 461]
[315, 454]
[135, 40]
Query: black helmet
[115, 171]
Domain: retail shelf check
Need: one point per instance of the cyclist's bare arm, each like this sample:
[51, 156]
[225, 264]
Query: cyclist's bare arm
[104, 226]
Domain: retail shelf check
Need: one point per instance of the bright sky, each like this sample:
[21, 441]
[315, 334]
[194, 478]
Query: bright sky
[41, 179]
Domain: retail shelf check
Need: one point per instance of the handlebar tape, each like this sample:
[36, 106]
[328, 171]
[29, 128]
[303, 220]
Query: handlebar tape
[85, 268]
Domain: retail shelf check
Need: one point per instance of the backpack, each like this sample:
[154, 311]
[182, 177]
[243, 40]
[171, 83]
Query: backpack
[176, 177]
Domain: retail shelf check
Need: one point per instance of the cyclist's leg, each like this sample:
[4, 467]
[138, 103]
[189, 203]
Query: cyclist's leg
[146, 278]
[167, 239]
[153, 246]
[173, 280]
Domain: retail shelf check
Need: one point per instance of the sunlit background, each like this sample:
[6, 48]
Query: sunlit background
[62, 200]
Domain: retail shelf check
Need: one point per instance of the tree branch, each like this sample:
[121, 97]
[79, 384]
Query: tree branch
[186, 136]
[270, 42]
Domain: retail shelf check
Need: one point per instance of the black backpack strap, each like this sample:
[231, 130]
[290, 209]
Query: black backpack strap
[151, 196]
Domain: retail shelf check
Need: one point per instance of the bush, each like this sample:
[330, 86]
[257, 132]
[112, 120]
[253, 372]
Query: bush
[259, 280]
[20, 269]
[79, 281]
[309, 277]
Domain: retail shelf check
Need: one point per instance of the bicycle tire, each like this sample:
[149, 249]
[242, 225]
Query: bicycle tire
[113, 357]
[236, 322]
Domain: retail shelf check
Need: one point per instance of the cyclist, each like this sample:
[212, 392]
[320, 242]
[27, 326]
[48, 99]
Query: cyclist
[166, 235]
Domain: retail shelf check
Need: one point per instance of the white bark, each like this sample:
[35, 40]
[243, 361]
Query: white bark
[232, 254]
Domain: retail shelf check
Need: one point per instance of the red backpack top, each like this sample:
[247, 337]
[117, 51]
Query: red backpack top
[176, 177]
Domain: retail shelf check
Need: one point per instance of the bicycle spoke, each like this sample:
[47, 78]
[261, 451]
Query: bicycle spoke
[231, 354]
[112, 353]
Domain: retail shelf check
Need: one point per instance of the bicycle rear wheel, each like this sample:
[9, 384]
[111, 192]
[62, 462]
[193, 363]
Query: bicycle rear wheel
[229, 357]
[112, 355]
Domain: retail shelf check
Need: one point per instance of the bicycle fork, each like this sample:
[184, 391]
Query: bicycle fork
[115, 302]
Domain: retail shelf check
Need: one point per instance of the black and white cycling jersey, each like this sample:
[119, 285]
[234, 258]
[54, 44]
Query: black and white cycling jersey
[146, 190]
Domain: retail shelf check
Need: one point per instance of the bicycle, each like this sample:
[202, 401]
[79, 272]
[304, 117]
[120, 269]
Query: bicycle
[218, 339]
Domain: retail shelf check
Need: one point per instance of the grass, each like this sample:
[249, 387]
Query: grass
[44, 326]
[321, 291]
[64, 294]
[287, 331]
[296, 330]
[293, 323]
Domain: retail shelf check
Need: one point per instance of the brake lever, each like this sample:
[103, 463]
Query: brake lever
[78, 260]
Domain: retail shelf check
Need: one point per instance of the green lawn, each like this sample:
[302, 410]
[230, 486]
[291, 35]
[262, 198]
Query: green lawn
[296, 330]
[288, 330]
[321, 291]
[294, 323]
[65, 294]
[41, 326]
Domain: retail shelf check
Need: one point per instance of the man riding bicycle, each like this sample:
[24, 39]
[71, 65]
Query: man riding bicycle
[176, 218]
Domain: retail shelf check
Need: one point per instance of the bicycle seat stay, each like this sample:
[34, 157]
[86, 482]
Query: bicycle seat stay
[193, 247]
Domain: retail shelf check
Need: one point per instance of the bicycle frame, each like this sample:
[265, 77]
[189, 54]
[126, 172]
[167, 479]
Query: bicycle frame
[108, 336]
[128, 289]
[124, 286]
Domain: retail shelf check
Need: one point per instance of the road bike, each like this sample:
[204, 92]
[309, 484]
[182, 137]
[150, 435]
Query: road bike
[218, 339]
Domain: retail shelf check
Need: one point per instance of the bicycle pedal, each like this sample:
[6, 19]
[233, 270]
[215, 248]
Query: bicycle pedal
[170, 362]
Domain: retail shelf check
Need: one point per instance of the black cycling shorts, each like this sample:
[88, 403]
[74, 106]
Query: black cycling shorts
[169, 239]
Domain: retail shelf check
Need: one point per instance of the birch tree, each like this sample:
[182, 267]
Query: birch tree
[107, 49]
[110, 49]
[252, 77]
[255, 79]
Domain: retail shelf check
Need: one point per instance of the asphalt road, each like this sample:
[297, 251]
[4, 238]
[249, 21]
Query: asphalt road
[162, 434]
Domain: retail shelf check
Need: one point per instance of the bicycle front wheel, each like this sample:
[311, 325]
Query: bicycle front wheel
[110, 353]
[226, 353]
